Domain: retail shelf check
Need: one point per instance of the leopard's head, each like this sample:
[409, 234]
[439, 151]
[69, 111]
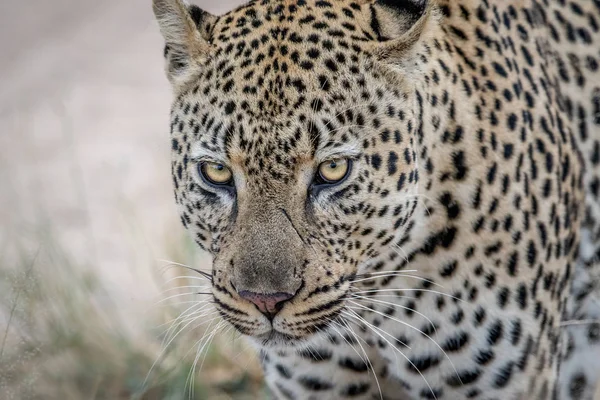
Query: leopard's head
[294, 130]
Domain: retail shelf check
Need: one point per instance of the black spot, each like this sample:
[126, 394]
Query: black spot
[513, 263]
[456, 342]
[484, 357]
[495, 332]
[283, 371]
[314, 383]
[423, 363]
[229, 108]
[452, 207]
[444, 238]
[392, 163]
[458, 32]
[499, 69]
[516, 332]
[463, 377]
[504, 374]
[502, 297]
[460, 168]
[331, 65]
[448, 270]
[376, 161]
[355, 365]
[355, 389]
[285, 392]
[521, 296]
[316, 354]
[531, 253]
[577, 386]
[593, 333]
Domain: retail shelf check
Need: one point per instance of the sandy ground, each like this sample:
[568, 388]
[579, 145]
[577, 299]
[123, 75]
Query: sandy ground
[84, 148]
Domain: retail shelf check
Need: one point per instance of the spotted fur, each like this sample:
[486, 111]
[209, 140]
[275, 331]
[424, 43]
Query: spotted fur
[448, 264]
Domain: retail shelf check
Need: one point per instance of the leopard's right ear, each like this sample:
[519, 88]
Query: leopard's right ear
[186, 30]
[399, 25]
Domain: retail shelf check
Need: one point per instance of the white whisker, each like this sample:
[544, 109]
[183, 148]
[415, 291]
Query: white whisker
[399, 306]
[409, 290]
[414, 328]
[374, 329]
[367, 357]
[398, 274]
[175, 296]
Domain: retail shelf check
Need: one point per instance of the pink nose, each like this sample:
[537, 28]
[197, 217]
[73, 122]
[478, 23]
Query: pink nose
[268, 304]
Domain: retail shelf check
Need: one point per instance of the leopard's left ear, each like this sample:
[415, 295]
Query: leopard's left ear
[398, 25]
[187, 30]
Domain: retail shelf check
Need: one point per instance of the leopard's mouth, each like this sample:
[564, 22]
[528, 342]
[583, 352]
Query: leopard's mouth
[298, 321]
[278, 340]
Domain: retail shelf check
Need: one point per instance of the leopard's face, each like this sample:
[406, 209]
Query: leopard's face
[293, 164]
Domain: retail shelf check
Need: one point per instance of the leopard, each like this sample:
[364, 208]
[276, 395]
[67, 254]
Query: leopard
[400, 198]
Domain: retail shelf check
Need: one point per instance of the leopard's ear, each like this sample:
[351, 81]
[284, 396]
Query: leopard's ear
[186, 30]
[399, 25]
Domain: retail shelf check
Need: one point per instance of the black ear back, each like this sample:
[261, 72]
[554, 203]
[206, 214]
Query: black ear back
[411, 7]
[398, 24]
[204, 21]
[390, 19]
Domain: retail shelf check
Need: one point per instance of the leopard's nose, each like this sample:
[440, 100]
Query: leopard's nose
[268, 303]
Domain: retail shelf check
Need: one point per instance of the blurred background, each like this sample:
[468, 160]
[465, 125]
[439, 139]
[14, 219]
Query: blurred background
[93, 304]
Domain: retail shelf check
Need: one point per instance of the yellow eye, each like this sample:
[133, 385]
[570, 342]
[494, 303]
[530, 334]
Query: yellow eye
[215, 173]
[333, 171]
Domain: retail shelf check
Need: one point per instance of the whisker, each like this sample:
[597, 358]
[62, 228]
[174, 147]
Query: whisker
[198, 271]
[203, 301]
[184, 277]
[374, 329]
[397, 274]
[396, 247]
[399, 306]
[192, 373]
[207, 345]
[204, 306]
[346, 340]
[368, 360]
[410, 290]
[162, 353]
[580, 322]
[368, 274]
[395, 296]
[182, 315]
[344, 127]
[414, 328]
[417, 196]
[175, 296]
[184, 287]
[182, 319]
[192, 317]
[187, 320]
[204, 310]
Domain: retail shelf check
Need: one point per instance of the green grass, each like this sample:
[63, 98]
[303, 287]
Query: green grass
[62, 338]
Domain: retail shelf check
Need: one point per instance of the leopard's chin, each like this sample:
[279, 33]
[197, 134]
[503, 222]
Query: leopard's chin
[276, 340]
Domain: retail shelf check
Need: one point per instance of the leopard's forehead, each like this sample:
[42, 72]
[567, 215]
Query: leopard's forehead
[285, 80]
[275, 54]
[259, 22]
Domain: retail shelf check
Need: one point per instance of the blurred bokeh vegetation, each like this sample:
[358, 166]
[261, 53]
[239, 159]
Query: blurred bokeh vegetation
[64, 338]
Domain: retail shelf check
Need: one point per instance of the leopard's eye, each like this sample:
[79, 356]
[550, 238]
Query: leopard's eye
[215, 173]
[333, 171]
